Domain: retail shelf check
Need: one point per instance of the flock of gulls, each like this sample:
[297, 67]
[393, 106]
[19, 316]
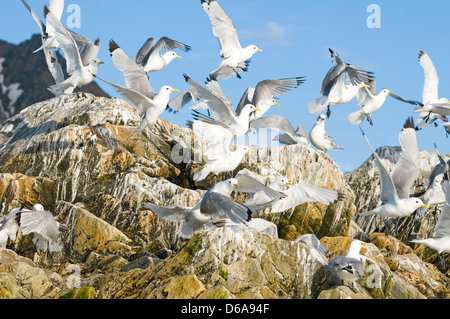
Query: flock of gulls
[223, 124]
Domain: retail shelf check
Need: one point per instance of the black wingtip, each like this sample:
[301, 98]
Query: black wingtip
[113, 46]
[409, 123]
[97, 42]
[446, 175]
[46, 10]
[186, 77]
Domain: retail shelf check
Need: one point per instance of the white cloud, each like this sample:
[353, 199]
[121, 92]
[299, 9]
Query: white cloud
[272, 35]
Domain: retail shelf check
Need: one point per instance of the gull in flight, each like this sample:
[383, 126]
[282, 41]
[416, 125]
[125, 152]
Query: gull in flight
[215, 204]
[396, 186]
[320, 138]
[43, 226]
[149, 56]
[290, 136]
[9, 227]
[149, 109]
[80, 75]
[440, 240]
[263, 95]
[294, 196]
[134, 75]
[236, 58]
[349, 267]
[369, 102]
[430, 94]
[340, 85]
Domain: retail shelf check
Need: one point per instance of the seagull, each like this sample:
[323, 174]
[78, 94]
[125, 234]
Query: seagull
[434, 194]
[236, 58]
[282, 124]
[149, 56]
[43, 225]
[430, 95]
[349, 267]
[149, 109]
[221, 109]
[80, 74]
[396, 186]
[135, 76]
[320, 138]
[9, 227]
[50, 55]
[294, 196]
[441, 236]
[369, 102]
[257, 224]
[51, 41]
[222, 162]
[263, 95]
[215, 204]
[340, 85]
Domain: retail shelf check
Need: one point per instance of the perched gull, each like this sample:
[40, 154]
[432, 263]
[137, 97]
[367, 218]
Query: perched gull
[349, 267]
[320, 138]
[222, 162]
[49, 52]
[262, 96]
[43, 225]
[340, 85]
[149, 56]
[434, 194]
[215, 204]
[134, 75]
[282, 124]
[369, 102]
[257, 224]
[9, 227]
[441, 236]
[80, 74]
[294, 196]
[396, 187]
[149, 109]
[430, 95]
[236, 58]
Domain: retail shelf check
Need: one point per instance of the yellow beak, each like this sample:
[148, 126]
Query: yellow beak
[276, 104]
[425, 206]
[179, 57]
[101, 62]
[390, 92]
[236, 185]
[175, 90]
[257, 110]
[288, 183]
[259, 50]
[366, 86]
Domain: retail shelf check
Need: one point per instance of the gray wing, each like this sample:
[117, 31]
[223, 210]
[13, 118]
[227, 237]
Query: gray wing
[333, 74]
[218, 91]
[388, 190]
[88, 50]
[438, 169]
[246, 98]
[268, 89]
[173, 214]
[219, 206]
[67, 43]
[277, 122]
[248, 184]
[185, 97]
[36, 18]
[398, 97]
[350, 265]
[134, 75]
[442, 227]
[407, 168]
[144, 50]
[303, 193]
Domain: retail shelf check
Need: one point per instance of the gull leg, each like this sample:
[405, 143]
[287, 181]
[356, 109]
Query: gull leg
[328, 111]
[369, 120]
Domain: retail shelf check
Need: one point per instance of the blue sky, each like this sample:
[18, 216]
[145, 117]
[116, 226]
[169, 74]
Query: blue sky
[295, 37]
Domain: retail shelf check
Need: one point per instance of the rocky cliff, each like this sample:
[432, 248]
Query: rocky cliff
[82, 160]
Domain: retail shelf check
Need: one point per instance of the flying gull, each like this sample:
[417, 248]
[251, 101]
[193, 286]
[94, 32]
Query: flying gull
[340, 85]
[80, 74]
[320, 138]
[43, 226]
[149, 56]
[369, 102]
[9, 227]
[236, 58]
[396, 186]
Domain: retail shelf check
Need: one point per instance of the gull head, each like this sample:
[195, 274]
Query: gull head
[386, 92]
[94, 64]
[414, 203]
[249, 108]
[280, 183]
[166, 89]
[322, 118]
[355, 249]
[170, 55]
[275, 103]
[443, 100]
[38, 207]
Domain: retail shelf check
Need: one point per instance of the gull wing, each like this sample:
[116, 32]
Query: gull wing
[248, 184]
[431, 83]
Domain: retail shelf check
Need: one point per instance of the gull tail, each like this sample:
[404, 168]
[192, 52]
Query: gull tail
[318, 105]
[202, 174]
[356, 118]
[366, 213]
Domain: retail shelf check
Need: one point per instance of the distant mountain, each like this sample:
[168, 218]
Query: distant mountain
[24, 77]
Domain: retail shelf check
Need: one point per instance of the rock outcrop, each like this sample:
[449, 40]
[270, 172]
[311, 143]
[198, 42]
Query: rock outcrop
[82, 160]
